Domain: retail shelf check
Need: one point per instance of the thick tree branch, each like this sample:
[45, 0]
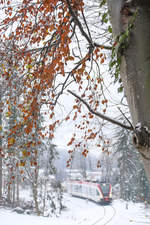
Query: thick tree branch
[100, 115]
[78, 23]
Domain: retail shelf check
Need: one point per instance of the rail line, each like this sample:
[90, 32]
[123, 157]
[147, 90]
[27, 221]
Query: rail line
[100, 220]
[105, 218]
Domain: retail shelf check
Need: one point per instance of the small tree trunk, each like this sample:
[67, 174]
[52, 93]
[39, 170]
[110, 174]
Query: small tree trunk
[17, 186]
[35, 197]
[9, 194]
[35, 189]
[13, 193]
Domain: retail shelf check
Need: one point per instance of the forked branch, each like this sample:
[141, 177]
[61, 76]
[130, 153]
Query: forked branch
[78, 23]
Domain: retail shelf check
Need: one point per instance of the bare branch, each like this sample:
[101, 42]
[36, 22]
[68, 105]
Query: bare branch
[100, 115]
[82, 30]
[107, 47]
[126, 118]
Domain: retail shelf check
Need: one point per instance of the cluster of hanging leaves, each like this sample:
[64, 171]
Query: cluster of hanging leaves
[38, 64]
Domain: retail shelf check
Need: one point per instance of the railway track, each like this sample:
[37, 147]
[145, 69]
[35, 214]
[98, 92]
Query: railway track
[107, 213]
[107, 217]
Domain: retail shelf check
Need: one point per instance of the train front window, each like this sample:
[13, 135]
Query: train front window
[105, 188]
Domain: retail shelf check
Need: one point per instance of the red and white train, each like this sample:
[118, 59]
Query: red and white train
[98, 192]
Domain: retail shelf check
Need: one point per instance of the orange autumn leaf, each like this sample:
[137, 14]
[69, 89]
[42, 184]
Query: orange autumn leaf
[102, 60]
[24, 153]
[11, 141]
[22, 163]
[75, 107]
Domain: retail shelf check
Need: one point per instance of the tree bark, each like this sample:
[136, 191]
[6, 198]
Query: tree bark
[135, 68]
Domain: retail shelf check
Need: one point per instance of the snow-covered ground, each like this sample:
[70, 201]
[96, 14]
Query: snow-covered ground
[83, 212]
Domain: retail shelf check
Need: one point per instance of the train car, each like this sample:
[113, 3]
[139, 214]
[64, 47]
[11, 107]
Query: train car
[98, 192]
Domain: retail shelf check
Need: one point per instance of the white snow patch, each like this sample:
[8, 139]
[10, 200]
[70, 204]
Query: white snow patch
[83, 212]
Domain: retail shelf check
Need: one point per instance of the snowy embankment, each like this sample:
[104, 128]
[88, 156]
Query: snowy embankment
[83, 212]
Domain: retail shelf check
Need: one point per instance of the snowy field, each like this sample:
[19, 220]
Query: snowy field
[83, 212]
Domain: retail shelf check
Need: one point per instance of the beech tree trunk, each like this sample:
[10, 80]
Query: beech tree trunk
[135, 68]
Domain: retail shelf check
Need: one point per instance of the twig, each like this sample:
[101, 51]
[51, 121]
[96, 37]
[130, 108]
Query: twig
[125, 117]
